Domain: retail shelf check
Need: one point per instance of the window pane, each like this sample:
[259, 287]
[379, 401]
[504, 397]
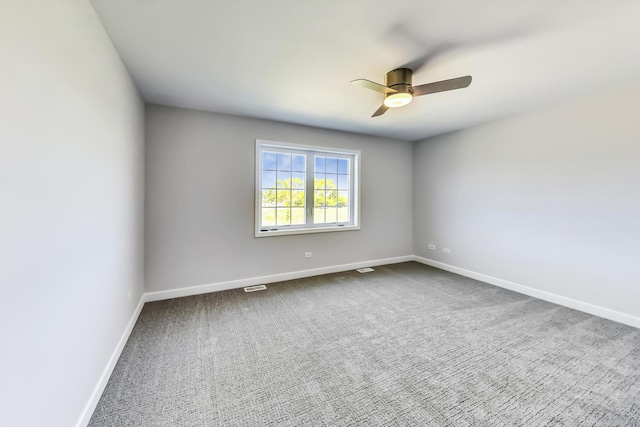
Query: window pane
[268, 217]
[268, 179]
[268, 197]
[269, 160]
[318, 198]
[297, 198]
[331, 181]
[331, 215]
[299, 164]
[284, 179]
[284, 216]
[297, 180]
[343, 198]
[284, 161]
[318, 216]
[319, 164]
[343, 214]
[331, 197]
[331, 165]
[318, 181]
[297, 216]
[343, 166]
[343, 182]
[284, 198]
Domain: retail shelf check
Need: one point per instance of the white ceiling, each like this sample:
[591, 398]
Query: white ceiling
[292, 60]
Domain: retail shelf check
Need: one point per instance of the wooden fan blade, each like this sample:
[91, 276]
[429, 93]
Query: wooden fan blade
[442, 86]
[373, 86]
[380, 111]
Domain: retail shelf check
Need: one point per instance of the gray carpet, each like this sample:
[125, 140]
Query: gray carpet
[404, 345]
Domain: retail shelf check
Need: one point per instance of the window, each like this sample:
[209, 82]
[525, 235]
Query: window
[305, 189]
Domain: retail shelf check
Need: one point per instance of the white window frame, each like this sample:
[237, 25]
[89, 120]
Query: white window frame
[309, 227]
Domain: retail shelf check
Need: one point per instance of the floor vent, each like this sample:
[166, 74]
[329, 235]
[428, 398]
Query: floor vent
[365, 270]
[255, 288]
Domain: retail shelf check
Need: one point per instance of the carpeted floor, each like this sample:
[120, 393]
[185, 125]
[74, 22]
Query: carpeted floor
[404, 345]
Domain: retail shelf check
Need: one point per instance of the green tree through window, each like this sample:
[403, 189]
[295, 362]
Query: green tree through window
[290, 193]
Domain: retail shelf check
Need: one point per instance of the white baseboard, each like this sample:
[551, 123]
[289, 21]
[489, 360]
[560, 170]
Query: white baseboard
[241, 283]
[586, 307]
[108, 370]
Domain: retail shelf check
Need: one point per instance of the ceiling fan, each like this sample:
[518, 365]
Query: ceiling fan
[398, 90]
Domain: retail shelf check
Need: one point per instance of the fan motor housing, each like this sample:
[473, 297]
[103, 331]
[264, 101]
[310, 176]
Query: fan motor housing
[399, 79]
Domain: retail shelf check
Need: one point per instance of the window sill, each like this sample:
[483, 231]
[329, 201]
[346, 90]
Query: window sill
[285, 232]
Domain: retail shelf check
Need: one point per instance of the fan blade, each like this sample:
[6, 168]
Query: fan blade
[373, 86]
[442, 86]
[380, 111]
[419, 63]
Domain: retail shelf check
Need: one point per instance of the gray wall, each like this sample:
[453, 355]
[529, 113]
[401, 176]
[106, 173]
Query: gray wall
[71, 195]
[200, 201]
[549, 200]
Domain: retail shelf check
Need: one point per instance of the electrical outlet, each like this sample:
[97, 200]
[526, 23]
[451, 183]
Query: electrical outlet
[308, 254]
[446, 250]
[432, 247]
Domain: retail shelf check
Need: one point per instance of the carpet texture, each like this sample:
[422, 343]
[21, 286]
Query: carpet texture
[406, 345]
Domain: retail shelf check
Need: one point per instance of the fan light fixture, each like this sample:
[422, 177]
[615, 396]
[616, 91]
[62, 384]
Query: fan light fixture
[394, 100]
[399, 91]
